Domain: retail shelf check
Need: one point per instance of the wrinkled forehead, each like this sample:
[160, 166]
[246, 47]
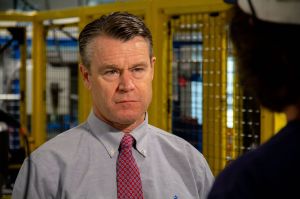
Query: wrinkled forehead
[100, 42]
[105, 48]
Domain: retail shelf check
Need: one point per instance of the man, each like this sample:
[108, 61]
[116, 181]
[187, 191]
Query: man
[266, 35]
[97, 159]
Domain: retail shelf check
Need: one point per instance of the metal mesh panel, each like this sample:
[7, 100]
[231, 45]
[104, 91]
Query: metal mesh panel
[13, 97]
[209, 108]
[10, 85]
[214, 90]
[13, 92]
[61, 78]
[243, 114]
[187, 79]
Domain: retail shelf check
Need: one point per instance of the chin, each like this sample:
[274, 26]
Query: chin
[128, 118]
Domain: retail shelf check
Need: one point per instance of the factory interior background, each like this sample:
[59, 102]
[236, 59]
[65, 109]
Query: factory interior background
[196, 93]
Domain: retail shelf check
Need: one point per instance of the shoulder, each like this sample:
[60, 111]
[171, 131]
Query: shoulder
[249, 165]
[170, 140]
[268, 154]
[259, 168]
[236, 179]
[176, 146]
[185, 157]
[47, 163]
[63, 146]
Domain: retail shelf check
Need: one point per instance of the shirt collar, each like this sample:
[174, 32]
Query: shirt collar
[111, 137]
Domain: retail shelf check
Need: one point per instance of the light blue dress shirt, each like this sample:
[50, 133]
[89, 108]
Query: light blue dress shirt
[81, 164]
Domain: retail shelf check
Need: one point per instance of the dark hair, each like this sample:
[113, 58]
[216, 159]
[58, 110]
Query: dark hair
[119, 25]
[268, 59]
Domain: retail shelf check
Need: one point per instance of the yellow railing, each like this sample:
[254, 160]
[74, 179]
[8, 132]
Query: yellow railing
[157, 14]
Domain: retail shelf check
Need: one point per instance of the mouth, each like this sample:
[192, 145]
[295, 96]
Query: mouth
[125, 101]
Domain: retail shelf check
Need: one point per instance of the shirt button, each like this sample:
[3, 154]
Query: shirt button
[112, 152]
[143, 152]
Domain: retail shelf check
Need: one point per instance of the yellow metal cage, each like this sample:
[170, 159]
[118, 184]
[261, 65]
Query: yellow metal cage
[202, 75]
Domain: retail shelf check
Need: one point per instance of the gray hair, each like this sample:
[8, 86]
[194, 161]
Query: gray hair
[119, 25]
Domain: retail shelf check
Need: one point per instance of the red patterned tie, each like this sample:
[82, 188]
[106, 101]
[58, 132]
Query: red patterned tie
[128, 175]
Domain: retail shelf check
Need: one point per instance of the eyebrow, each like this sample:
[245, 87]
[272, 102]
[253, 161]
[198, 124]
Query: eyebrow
[113, 66]
[144, 64]
[105, 66]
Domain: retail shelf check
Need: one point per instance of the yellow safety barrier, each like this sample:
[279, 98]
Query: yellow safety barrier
[220, 143]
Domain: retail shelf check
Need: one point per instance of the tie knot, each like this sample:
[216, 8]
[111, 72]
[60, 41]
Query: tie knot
[126, 141]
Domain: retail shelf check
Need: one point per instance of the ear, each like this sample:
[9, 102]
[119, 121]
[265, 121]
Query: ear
[153, 59]
[85, 76]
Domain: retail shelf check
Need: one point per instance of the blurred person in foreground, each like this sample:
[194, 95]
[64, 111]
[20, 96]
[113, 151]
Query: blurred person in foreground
[116, 153]
[266, 34]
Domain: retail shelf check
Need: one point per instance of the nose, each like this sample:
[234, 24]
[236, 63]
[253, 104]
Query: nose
[126, 82]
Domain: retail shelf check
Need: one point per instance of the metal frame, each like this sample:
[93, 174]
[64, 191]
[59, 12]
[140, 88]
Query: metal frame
[22, 75]
[156, 14]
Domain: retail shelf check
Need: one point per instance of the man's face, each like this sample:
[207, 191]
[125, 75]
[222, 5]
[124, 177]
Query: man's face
[120, 79]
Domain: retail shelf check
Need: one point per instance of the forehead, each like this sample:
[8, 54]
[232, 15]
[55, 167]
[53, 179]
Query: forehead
[108, 51]
[106, 46]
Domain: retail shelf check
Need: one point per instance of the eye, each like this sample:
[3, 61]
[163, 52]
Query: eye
[111, 72]
[138, 69]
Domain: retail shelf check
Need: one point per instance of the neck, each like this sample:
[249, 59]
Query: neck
[292, 112]
[125, 128]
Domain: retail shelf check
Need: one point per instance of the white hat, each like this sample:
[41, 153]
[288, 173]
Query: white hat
[277, 11]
